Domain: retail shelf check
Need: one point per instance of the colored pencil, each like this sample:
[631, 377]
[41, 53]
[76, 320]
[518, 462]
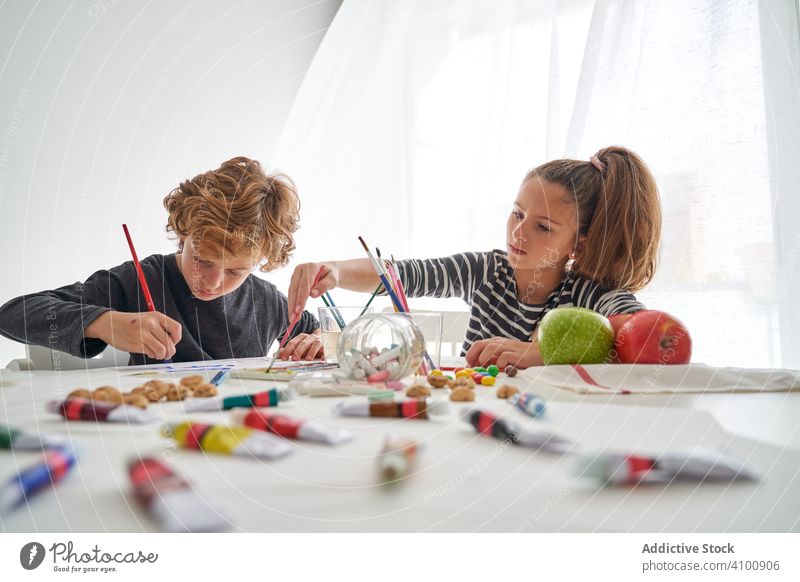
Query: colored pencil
[298, 315]
[142, 281]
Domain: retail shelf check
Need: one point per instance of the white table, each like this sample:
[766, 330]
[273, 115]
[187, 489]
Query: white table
[463, 482]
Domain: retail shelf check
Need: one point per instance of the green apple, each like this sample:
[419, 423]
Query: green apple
[575, 335]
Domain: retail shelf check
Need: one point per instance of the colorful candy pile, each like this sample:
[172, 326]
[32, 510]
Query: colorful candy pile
[481, 376]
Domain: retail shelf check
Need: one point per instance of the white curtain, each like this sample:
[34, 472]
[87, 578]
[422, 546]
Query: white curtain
[418, 119]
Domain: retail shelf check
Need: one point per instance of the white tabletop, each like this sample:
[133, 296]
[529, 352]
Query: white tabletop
[463, 482]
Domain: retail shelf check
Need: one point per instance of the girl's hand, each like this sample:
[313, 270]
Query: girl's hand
[304, 346]
[152, 333]
[502, 352]
[300, 287]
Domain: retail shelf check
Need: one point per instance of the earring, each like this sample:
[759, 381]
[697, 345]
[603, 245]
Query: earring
[570, 261]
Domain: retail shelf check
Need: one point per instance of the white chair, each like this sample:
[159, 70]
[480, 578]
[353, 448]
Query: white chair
[454, 329]
[42, 358]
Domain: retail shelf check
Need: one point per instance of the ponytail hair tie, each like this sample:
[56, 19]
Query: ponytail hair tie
[598, 164]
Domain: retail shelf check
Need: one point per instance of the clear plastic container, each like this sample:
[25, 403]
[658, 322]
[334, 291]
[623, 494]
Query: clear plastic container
[381, 342]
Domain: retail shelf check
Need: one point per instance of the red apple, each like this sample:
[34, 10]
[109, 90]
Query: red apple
[653, 337]
[617, 322]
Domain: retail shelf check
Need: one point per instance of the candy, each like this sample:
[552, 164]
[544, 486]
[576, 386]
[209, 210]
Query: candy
[493, 370]
[488, 381]
[378, 376]
[511, 371]
[436, 372]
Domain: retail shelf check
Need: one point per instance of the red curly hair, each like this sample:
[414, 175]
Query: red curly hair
[237, 210]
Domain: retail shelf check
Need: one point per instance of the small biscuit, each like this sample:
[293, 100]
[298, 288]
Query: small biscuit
[157, 384]
[152, 393]
[107, 394]
[192, 381]
[139, 400]
[462, 394]
[80, 393]
[205, 391]
[438, 380]
[465, 382]
[418, 391]
[507, 391]
[178, 392]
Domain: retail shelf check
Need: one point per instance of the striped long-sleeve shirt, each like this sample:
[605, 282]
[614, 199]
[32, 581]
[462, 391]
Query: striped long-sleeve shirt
[485, 281]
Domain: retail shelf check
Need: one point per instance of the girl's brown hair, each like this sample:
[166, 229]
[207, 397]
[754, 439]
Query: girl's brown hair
[619, 212]
[235, 210]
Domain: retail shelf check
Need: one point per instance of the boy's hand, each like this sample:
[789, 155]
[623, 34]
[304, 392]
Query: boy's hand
[152, 334]
[304, 346]
[302, 278]
[503, 351]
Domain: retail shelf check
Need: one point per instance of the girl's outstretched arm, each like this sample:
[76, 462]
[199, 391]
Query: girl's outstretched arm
[354, 275]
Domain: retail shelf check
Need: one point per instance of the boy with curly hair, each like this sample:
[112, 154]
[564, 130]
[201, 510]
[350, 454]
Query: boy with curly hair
[208, 303]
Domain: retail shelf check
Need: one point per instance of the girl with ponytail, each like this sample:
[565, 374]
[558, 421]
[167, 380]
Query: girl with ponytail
[580, 233]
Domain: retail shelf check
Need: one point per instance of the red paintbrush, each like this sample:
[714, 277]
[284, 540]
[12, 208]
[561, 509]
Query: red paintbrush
[142, 281]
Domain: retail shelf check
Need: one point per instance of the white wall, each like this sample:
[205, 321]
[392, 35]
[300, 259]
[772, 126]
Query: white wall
[106, 105]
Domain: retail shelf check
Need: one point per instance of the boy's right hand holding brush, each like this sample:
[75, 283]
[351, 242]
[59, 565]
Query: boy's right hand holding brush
[151, 333]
